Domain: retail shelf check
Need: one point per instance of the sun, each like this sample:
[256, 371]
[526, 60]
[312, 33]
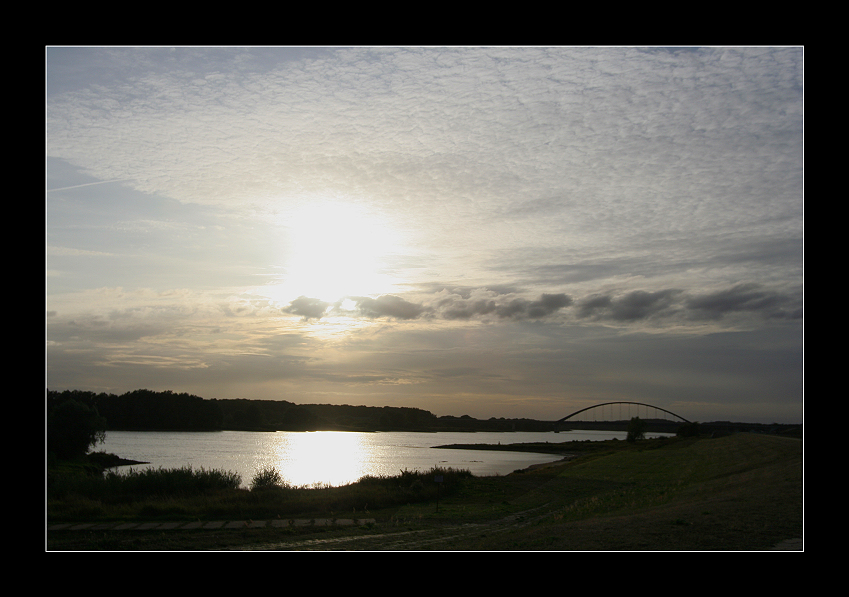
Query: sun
[334, 250]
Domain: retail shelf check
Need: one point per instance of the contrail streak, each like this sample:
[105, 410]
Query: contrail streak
[88, 184]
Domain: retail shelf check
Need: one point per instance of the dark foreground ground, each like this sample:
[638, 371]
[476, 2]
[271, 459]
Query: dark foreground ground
[743, 492]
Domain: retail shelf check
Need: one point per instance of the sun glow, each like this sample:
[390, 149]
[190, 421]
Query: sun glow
[334, 250]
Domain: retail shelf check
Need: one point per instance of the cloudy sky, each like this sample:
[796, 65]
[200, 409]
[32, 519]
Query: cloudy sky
[498, 232]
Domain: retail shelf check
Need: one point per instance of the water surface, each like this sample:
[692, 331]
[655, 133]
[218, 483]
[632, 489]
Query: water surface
[331, 457]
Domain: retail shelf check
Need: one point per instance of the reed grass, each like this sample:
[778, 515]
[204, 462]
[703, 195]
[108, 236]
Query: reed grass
[188, 493]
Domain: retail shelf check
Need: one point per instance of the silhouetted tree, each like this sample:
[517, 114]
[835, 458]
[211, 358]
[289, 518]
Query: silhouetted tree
[636, 429]
[688, 430]
[73, 428]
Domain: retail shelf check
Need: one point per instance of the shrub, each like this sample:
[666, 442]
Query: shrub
[267, 478]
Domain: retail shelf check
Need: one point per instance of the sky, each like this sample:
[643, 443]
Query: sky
[514, 232]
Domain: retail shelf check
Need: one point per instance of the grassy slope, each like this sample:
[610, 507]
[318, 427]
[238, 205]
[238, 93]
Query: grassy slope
[741, 492]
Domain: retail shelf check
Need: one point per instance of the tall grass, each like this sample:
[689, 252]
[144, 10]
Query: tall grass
[201, 493]
[171, 482]
[135, 484]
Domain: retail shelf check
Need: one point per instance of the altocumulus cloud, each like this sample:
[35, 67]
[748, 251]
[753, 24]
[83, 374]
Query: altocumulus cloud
[744, 298]
[674, 304]
[388, 306]
[669, 305]
[545, 305]
[517, 308]
[454, 307]
[633, 306]
[373, 308]
[308, 308]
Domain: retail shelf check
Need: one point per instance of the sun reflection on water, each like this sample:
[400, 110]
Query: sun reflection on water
[337, 457]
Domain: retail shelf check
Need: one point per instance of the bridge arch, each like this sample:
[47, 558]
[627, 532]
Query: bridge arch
[567, 417]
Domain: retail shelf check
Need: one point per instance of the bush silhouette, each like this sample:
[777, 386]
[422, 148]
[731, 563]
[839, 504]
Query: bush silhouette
[688, 430]
[268, 478]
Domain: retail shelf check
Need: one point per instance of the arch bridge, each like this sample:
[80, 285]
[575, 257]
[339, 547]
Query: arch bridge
[638, 404]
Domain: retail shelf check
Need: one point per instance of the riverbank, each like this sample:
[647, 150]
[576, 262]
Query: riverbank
[740, 492]
[104, 460]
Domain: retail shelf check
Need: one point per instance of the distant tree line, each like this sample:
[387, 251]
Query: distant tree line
[147, 410]
[281, 415]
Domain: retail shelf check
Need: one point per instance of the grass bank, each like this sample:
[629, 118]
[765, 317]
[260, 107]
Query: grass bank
[740, 492]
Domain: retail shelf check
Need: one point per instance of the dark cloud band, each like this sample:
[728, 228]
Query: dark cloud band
[634, 306]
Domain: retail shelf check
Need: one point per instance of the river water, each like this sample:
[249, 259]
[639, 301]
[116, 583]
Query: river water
[331, 457]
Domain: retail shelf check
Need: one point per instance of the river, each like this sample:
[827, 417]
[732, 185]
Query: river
[330, 457]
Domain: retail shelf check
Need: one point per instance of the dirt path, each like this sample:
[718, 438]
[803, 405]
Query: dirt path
[436, 538]
[444, 538]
